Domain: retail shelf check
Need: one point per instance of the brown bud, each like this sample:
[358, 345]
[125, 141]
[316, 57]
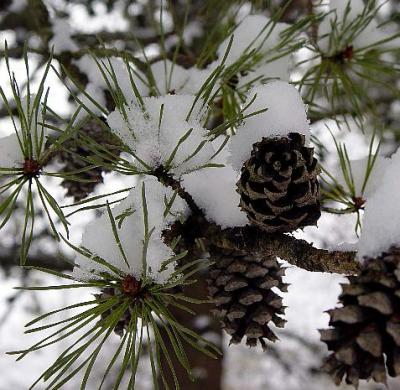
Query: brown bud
[31, 168]
[131, 286]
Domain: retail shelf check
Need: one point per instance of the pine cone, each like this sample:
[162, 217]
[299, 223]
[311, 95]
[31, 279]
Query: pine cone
[365, 338]
[241, 288]
[278, 185]
[77, 189]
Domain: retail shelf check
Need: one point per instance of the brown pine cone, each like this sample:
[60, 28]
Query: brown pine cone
[365, 333]
[278, 186]
[241, 289]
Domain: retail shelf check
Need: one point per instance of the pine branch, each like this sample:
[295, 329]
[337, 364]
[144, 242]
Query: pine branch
[252, 240]
[166, 179]
[297, 252]
[9, 258]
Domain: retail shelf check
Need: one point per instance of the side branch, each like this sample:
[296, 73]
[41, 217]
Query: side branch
[297, 252]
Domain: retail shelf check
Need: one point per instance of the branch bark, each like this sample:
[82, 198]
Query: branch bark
[297, 252]
[9, 258]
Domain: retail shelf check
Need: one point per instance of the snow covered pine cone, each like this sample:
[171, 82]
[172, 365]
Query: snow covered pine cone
[240, 287]
[278, 185]
[80, 189]
[365, 338]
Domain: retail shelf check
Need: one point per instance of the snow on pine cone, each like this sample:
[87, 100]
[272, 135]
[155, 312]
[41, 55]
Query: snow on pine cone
[278, 185]
[241, 289]
[365, 333]
[73, 161]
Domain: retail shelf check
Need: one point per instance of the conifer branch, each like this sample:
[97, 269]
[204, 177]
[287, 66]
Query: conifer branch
[296, 251]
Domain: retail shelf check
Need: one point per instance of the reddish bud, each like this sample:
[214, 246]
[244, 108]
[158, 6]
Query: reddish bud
[31, 168]
[359, 202]
[348, 53]
[130, 286]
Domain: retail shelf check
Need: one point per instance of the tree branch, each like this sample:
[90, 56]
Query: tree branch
[297, 252]
[9, 257]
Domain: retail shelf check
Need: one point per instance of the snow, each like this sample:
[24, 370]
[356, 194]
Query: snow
[286, 114]
[359, 169]
[130, 214]
[344, 247]
[87, 65]
[202, 321]
[192, 30]
[370, 34]
[170, 77]
[97, 94]
[117, 67]
[214, 191]
[258, 33]
[11, 155]
[10, 152]
[382, 214]
[62, 39]
[153, 140]
[17, 5]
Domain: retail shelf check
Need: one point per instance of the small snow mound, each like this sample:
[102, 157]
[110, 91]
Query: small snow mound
[117, 68]
[62, 37]
[359, 169]
[10, 152]
[258, 34]
[173, 78]
[381, 224]
[99, 238]
[162, 134]
[214, 191]
[344, 13]
[286, 113]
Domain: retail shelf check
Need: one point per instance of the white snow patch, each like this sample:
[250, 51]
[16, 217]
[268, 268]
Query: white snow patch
[286, 114]
[258, 33]
[62, 39]
[214, 191]
[153, 134]
[369, 35]
[359, 169]
[99, 238]
[17, 5]
[11, 155]
[381, 224]
[170, 77]
[116, 67]
[10, 152]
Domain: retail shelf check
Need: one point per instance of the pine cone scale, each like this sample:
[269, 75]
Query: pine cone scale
[378, 301]
[371, 342]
